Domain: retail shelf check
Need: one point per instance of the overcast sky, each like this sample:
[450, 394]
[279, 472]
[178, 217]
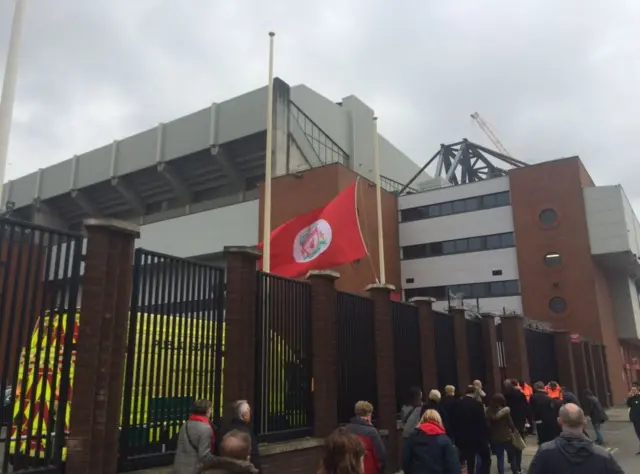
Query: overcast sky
[553, 78]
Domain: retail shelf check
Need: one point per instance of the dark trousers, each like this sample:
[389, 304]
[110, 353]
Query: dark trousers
[636, 425]
[468, 455]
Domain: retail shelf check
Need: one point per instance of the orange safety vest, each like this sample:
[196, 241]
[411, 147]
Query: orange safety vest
[557, 393]
[527, 390]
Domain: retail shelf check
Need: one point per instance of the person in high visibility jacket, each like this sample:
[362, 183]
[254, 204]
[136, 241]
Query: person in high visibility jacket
[554, 390]
[526, 389]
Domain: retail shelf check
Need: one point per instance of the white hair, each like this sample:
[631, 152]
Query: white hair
[435, 396]
[241, 407]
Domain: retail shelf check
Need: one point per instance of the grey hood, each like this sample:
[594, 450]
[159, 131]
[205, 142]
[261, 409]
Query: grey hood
[576, 449]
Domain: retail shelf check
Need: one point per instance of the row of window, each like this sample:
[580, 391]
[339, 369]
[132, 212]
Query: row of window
[459, 206]
[466, 245]
[490, 289]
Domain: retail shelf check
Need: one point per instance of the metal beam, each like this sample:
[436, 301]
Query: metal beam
[179, 186]
[85, 203]
[130, 196]
[227, 165]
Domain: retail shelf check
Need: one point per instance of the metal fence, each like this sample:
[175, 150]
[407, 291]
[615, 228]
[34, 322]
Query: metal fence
[407, 358]
[475, 350]
[175, 354]
[40, 282]
[446, 360]
[541, 352]
[502, 360]
[283, 399]
[356, 354]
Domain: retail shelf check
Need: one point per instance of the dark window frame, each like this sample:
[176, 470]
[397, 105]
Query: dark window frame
[456, 206]
[451, 247]
[476, 290]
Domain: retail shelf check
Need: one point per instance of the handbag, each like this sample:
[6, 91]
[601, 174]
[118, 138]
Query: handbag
[517, 441]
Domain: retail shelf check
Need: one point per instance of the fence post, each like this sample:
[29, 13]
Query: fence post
[490, 342]
[240, 326]
[385, 367]
[324, 313]
[564, 355]
[101, 347]
[426, 321]
[580, 366]
[515, 347]
[462, 354]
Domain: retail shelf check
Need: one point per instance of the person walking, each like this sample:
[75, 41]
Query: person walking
[429, 450]
[375, 455]
[196, 440]
[241, 421]
[480, 394]
[544, 414]
[501, 433]
[411, 412]
[571, 451]
[597, 414]
[448, 405]
[633, 402]
[569, 397]
[471, 432]
[235, 455]
[435, 403]
[343, 454]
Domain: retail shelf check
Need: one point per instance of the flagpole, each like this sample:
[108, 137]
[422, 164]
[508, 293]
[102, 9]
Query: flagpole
[9, 87]
[266, 219]
[376, 157]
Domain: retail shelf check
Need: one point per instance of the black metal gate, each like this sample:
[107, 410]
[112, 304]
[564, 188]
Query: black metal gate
[475, 350]
[541, 352]
[408, 366]
[283, 397]
[356, 354]
[446, 360]
[175, 354]
[40, 281]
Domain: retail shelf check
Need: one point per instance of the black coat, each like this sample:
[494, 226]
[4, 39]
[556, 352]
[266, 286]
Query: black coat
[470, 429]
[449, 406]
[633, 402]
[544, 411]
[519, 406]
[440, 408]
[596, 411]
[429, 454]
[570, 397]
[240, 425]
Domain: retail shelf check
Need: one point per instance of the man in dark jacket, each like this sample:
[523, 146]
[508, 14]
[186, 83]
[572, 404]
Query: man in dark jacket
[633, 402]
[471, 432]
[571, 451]
[241, 421]
[544, 412]
[235, 452]
[569, 397]
[517, 402]
[375, 454]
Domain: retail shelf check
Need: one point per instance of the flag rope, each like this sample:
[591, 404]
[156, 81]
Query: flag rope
[364, 242]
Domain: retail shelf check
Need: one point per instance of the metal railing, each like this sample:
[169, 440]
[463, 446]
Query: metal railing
[541, 352]
[406, 347]
[446, 358]
[475, 350]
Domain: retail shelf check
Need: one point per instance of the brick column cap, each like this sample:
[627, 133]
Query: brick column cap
[114, 224]
[511, 316]
[249, 251]
[380, 286]
[422, 299]
[323, 274]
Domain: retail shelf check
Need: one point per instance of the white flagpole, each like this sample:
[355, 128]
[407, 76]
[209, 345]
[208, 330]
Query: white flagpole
[376, 158]
[266, 219]
[9, 87]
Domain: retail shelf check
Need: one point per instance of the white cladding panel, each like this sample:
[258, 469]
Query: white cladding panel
[203, 233]
[451, 193]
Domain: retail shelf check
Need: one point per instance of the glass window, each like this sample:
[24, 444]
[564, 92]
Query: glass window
[461, 245]
[434, 210]
[446, 208]
[458, 207]
[478, 290]
[507, 240]
[448, 247]
[475, 244]
[439, 292]
[464, 291]
[496, 288]
[472, 204]
[493, 242]
[548, 217]
[435, 249]
[414, 251]
[503, 199]
[489, 201]
[512, 287]
[553, 259]
[557, 304]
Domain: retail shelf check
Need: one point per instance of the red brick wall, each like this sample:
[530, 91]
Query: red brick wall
[303, 461]
[293, 195]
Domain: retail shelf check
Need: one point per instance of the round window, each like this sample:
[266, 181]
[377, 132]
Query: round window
[548, 217]
[553, 259]
[557, 304]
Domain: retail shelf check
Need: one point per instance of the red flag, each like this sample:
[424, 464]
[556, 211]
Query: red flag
[320, 239]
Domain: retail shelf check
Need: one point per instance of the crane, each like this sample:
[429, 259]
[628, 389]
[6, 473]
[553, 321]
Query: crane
[484, 126]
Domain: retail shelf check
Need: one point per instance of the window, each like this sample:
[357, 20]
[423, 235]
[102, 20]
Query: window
[475, 244]
[414, 251]
[469, 244]
[511, 287]
[496, 288]
[548, 217]
[458, 207]
[557, 304]
[462, 245]
[553, 259]
[448, 247]
[507, 240]
[468, 290]
[489, 201]
[472, 204]
[465, 291]
[446, 208]
[435, 249]
[503, 199]
[493, 242]
[478, 290]
[477, 203]
[434, 210]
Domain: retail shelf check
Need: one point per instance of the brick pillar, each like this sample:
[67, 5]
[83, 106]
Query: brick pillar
[462, 354]
[324, 312]
[493, 384]
[426, 322]
[101, 347]
[385, 369]
[515, 347]
[240, 326]
[564, 356]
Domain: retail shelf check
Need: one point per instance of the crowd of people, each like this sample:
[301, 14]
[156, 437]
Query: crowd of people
[441, 435]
